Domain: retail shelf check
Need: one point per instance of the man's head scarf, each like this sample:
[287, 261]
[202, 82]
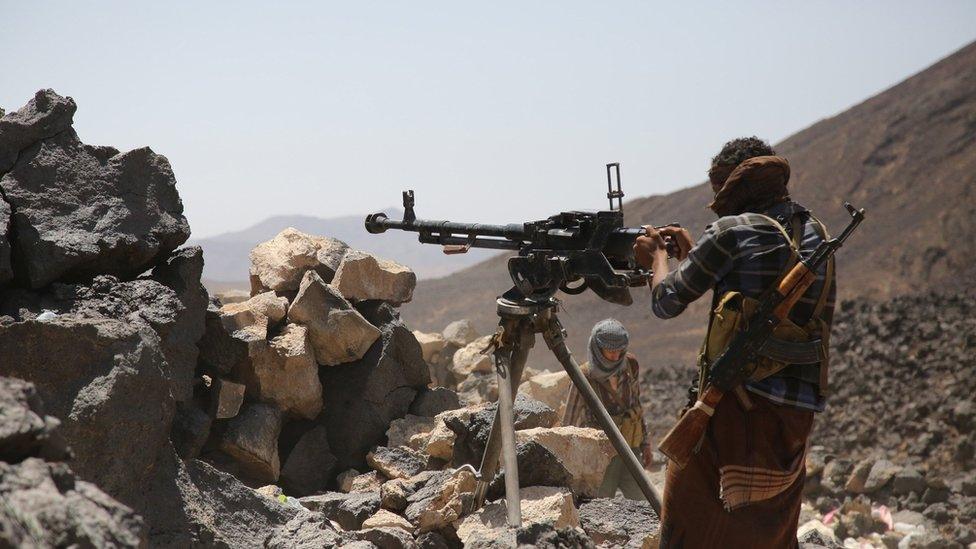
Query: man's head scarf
[753, 185]
[607, 335]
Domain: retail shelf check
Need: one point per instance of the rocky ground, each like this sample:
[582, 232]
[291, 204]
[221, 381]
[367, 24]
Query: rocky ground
[140, 411]
[893, 453]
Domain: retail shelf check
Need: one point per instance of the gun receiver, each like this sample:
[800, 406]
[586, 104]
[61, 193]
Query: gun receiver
[589, 249]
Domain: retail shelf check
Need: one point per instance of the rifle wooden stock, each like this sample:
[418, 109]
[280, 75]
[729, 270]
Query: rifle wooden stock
[683, 438]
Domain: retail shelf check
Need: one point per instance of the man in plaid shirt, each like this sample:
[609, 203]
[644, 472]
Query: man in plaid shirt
[743, 486]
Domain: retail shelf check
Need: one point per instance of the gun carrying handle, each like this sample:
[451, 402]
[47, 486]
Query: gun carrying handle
[683, 438]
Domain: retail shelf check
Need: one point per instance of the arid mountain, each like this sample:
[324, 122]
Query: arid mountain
[907, 155]
[227, 253]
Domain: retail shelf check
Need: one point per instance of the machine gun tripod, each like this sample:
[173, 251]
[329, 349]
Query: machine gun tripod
[520, 319]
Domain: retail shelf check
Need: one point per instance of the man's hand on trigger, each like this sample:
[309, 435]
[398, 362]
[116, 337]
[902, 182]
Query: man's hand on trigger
[645, 247]
[681, 237]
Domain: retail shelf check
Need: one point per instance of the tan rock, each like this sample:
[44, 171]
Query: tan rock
[337, 331]
[552, 388]
[539, 504]
[460, 332]
[478, 388]
[440, 501]
[280, 263]
[249, 320]
[386, 519]
[269, 491]
[471, 359]
[362, 276]
[430, 345]
[233, 296]
[440, 443]
[283, 371]
[410, 431]
[366, 482]
[346, 478]
[585, 453]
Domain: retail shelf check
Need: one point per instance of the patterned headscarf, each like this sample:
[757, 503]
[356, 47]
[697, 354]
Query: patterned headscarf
[609, 335]
[752, 185]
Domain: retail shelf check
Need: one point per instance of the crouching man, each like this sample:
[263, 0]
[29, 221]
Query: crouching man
[614, 375]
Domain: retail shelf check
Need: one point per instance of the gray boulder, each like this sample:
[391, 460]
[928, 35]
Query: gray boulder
[361, 398]
[251, 439]
[46, 505]
[105, 380]
[81, 210]
[6, 268]
[430, 402]
[145, 304]
[195, 505]
[397, 462]
[308, 530]
[191, 429]
[472, 432]
[620, 522]
[26, 431]
[181, 272]
[44, 116]
[310, 465]
[220, 351]
[348, 510]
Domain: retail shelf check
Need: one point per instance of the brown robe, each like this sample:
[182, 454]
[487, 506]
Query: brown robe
[743, 488]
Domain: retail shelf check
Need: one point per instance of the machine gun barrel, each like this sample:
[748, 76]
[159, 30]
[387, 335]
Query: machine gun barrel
[513, 236]
[379, 222]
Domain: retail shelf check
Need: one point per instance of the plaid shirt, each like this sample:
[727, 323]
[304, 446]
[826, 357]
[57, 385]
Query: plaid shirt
[745, 253]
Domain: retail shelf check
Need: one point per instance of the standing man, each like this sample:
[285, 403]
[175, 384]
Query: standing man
[742, 488]
[614, 375]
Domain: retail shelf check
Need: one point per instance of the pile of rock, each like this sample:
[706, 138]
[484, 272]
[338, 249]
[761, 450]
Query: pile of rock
[305, 376]
[107, 320]
[460, 359]
[418, 490]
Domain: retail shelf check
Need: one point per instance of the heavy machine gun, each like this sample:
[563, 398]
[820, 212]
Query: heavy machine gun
[570, 251]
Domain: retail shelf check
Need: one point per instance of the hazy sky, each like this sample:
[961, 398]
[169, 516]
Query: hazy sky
[491, 111]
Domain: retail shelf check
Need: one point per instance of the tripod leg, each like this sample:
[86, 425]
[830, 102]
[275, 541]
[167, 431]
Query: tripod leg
[521, 338]
[506, 420]
[556, 341]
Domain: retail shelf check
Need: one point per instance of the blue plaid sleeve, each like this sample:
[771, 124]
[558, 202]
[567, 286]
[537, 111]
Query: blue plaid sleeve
[708, 262]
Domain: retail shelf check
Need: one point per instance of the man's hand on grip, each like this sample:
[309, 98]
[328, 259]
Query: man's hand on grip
[682, 239]
[647, 246]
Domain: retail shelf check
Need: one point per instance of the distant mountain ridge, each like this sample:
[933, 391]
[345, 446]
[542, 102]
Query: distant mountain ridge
[226, 255]
[907, 155]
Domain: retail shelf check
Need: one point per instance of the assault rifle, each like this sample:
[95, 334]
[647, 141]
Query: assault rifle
[571, 251]
[731, 367]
